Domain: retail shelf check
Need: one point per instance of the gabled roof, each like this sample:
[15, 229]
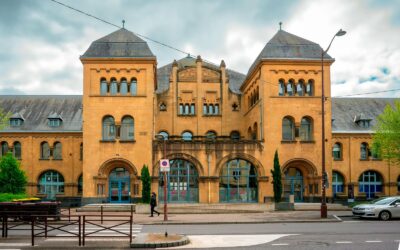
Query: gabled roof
[163, 74]
[285, 45]
[345, 109]
[17, 115]
[121, 43]
[36, 109]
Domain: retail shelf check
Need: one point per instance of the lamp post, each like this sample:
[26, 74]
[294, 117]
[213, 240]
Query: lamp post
[161, 137]
[324, 209]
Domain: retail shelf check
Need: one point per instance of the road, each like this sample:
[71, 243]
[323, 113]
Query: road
[349, 234]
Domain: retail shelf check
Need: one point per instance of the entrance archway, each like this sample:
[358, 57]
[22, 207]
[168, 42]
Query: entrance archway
[119, 185]
[293, 184]
[183, 182]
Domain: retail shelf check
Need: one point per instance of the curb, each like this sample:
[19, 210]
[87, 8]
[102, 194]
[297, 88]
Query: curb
[335, 220]
[138, 242]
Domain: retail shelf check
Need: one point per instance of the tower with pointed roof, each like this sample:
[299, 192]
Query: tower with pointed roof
[119, 72]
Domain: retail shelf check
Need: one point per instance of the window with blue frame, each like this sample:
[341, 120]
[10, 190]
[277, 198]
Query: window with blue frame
[54, 122]
[103, 87]
[51, 183]
[124, 87]
[238, 182]
[337, 183]
[133, 86]
[370, 182]
[16, 122]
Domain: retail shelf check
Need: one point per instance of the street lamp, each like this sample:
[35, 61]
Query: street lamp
[324, 209]
[161, 137]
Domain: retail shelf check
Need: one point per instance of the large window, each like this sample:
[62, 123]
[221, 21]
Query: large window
[57, 151]
[127, 129]
[337, 151]
[306, 129]
[17, 150]
[370, 182]
[44, 151]
[4, 148]
[51, 183]
[287, 129]
[337, 183]
[238, 182]
[108, 128]
[183, 182]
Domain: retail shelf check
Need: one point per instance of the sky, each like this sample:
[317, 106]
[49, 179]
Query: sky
[41, 41]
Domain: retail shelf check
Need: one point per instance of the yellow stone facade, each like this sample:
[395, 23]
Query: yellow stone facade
[233, 133]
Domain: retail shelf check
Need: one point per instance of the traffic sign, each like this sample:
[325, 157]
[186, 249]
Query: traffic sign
[164, 165]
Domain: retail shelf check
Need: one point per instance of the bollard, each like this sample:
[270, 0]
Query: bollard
[45, 227]
[101, 213]
[69, 214]
[83, 230]
[33, 231]
[79, 230]
[130, 230]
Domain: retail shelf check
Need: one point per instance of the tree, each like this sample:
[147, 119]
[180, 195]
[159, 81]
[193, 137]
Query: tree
[12, 178]
[386, 140]
[277, 178]
[4, 118]
[146, 184]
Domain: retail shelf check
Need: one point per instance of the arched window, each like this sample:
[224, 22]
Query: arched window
[57, 151]
[81, 152]
[364, 151]
[4, 148]
[103, 86]
[211, 135]
[164, 134]
[337, 151]
[310, 87]
[192, 111]
[80, 184]
[51, 183]
[370, 182]
[300, 88]
[127, 128]
[187, 136]
[181, 109]
[210, 109]
[205, 109]
[216, 109]
[235, 135]
[255, 131]
[124, 87]
[249, 133]
[290, 88]
[108, 128]
[113, 87]
[306, 129]
[281, 87]
[44, 150]
[337, 183]
[187, 107]
[17, 150]
[287, 129]
[238, 182]
[133, 86]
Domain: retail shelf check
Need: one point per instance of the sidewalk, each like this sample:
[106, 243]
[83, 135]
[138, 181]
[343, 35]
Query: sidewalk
[241, 218]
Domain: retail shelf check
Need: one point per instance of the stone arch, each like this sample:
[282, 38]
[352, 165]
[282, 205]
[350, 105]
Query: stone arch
[304, 165]
[47, 170]
[110, 164]
[184, 156]
[373, 170]
[257, 164]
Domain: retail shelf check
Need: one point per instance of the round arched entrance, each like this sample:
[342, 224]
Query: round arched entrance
[238, 181]
[293, 184]
[183, 182]
[119, 185]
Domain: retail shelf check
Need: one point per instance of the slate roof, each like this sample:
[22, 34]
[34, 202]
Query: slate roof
[36, 109]
[344, 111]
[284, 45]
[235, 78]
[121, 43]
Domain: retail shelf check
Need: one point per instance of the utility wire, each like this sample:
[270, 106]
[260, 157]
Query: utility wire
[112, 24]
[370, 93]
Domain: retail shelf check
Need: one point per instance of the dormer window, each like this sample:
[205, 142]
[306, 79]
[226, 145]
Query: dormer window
[54, 122]
[362, 120]
[16, 122]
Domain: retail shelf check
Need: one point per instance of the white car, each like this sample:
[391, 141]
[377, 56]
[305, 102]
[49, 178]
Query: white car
[384, 208]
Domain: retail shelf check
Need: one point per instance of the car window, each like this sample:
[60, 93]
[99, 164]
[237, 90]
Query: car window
[384, 201]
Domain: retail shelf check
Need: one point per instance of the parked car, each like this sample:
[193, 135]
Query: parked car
[384, 208]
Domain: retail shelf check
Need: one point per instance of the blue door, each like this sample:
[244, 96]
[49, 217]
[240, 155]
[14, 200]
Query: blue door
[293, 184]
[119, 186]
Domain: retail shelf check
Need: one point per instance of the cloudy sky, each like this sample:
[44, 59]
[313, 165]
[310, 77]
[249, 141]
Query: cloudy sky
[41, 41]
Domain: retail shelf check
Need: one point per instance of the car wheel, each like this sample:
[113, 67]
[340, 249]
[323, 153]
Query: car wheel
[384, 215]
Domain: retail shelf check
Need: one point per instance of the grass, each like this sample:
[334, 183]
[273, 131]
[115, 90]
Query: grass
[10, 197]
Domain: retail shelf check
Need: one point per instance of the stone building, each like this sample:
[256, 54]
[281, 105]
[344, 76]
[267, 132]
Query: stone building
[219, 128]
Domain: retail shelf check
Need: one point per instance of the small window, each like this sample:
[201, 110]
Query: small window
[216, 109]
[16, 122]
[205, 109]
[124, 87]
[44, 151]
[192, 110]
[364, 151]
[187, 136]
[337, 151]
[103, 87]
[187, 108]
[310, 88]
[164, 134]
[290, 88]
[133, 86]
[281, 87]
[57, 151]
[163, 107]
[181, 109]
[210, 109]
[17, 150]
[54, 122]
[113, 87]
[211, 135]
[235, 136]
[300, 88]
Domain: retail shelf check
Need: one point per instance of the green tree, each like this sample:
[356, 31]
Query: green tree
[386, 140]
[277, 178]
[146, 184]
[12, 178]
[4, 118]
